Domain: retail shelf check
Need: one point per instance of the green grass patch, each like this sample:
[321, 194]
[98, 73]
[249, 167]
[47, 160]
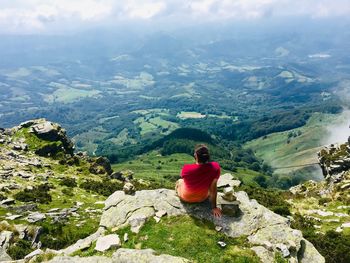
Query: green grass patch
[190, 238]
[34, 143]
[60, 235]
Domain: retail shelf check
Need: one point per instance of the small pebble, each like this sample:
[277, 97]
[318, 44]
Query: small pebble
[222, 244]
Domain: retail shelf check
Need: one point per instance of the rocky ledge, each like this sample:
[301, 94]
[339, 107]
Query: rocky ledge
[335, 161]
[266, 231]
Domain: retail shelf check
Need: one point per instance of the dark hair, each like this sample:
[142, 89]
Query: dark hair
[202, 152]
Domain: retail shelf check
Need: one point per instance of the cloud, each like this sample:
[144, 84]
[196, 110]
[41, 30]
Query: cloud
[35, 16]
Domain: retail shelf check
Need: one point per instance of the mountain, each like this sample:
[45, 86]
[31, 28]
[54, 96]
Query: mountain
[57, 203]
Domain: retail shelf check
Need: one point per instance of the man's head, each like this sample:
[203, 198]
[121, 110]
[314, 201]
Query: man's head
[201, 153]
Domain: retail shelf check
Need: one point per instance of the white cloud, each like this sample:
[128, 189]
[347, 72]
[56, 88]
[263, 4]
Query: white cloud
[143, 9]
[32, 16]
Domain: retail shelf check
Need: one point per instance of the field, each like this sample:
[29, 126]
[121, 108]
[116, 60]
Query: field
[152, 121]
[67, 95]
[190, 115]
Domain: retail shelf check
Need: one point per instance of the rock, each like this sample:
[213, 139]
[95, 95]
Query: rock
[79, 203]
[123, 255]
[229, 194]
[51, 132]
[218, 228]
[339, 229]
[230, 209]
[125, 175]
[35, 217]
[228, 180]
[161, 213]
[106, 242]
[345, 225]
[129, 188]
[264, 254]
[340, 215]
[37, 232]
[8, 201]
[309, 253]
[320, 213]
[126, 237]
[24, 175]
[284, 250]
[81, 243]
[139, 217]
[157, 219]
[4, 256]
[345, 186]
[222, 244]
[24, 208]
[100, 165]
[22, 231]
[261, 225]
[13, 217]
[53, 210]
[34, 253]
[20, 147]
[5, 239]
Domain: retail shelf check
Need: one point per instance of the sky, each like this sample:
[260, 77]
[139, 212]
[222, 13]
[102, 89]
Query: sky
[50, 16]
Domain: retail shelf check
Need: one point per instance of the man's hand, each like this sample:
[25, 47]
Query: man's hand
[217, 212]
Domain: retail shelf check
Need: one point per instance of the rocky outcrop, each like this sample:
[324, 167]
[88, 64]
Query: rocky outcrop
[100, 165]
[124, 255]
[265, 229]
[335, 161]
[50, 131]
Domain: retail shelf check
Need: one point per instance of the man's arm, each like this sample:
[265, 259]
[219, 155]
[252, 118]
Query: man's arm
[212, 196]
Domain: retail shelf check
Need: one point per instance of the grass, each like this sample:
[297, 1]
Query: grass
[186, 237]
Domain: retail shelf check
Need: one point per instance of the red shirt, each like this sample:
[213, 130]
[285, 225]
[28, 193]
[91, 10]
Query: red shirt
[198, 177]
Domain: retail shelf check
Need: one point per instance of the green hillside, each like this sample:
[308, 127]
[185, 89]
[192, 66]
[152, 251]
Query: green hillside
[296, 147]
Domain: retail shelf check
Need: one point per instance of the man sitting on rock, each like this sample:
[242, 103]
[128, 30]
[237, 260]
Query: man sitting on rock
[199, 180]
